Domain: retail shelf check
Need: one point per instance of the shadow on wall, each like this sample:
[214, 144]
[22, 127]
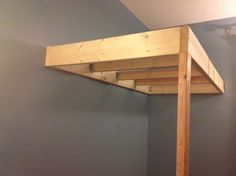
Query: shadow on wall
[229, 31]
[54, 123]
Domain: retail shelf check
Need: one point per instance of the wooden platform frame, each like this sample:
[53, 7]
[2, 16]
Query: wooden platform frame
[167, 61]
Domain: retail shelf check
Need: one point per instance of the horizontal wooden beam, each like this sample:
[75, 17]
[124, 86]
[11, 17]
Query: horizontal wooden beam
[153, 62]
[169, 81]
[173, 89]
[153, 73]
[200, 57]
[134, 46]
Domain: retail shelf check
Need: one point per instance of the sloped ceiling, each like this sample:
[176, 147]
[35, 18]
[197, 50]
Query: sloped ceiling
[157, 14]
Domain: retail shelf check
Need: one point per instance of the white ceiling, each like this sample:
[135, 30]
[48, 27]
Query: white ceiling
[166, 13]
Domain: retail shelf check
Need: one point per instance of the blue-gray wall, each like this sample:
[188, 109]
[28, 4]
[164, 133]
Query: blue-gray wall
[213, 118]
[52, 123]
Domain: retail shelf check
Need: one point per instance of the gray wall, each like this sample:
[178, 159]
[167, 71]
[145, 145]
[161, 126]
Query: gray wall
[213, 118]
[52, 123]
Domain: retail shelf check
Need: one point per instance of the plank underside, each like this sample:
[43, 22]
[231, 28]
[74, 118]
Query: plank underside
[145, 62]
[161, 80]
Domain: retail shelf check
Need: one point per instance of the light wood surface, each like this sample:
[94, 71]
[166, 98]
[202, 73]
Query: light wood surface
[173, 89]
[146, 62]
[170, 72]
[170, 81]
[153, 62]
[183, 107]
[200, 57]
[141, 45]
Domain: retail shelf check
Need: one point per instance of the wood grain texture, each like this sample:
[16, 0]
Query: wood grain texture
[173, 89]
[141, 45]
[200, 57]
[183, 107]
[171, 81]
[146, 62]
[170, 72]
[183, 115]
[153, 62]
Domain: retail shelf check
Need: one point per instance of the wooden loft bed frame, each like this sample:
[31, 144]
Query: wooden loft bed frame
[146, 62]
[167, 61]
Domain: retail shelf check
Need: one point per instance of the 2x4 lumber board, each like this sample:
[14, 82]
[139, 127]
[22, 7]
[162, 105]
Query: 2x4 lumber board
[107, 77]
[199, 55]
[169, 81]
[170, 72]
[153, 62]
[183, 106]
[141, 45]
[183, 111]
[173, 89]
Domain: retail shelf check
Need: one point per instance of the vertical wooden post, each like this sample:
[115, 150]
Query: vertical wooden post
[183, 112]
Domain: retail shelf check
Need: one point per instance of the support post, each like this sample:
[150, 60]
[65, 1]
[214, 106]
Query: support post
[183, 111]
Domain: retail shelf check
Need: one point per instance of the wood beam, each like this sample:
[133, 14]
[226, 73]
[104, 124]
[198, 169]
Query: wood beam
[170, 72]
[169, 81]
[141, 45]
[183, 107]
[142, 63]
[183, 115]
[200, 57]
[173, 89]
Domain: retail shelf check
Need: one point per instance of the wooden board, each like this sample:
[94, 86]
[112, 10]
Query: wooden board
[173, 89]
[183, 107]
[202, 60]
[142, 45]
[170, 72]
[132, 64]
[171, 81]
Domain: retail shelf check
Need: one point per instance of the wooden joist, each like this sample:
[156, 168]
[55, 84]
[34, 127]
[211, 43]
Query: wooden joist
[169, 81]
[132, 64]
[173, 89]
[170, 72]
